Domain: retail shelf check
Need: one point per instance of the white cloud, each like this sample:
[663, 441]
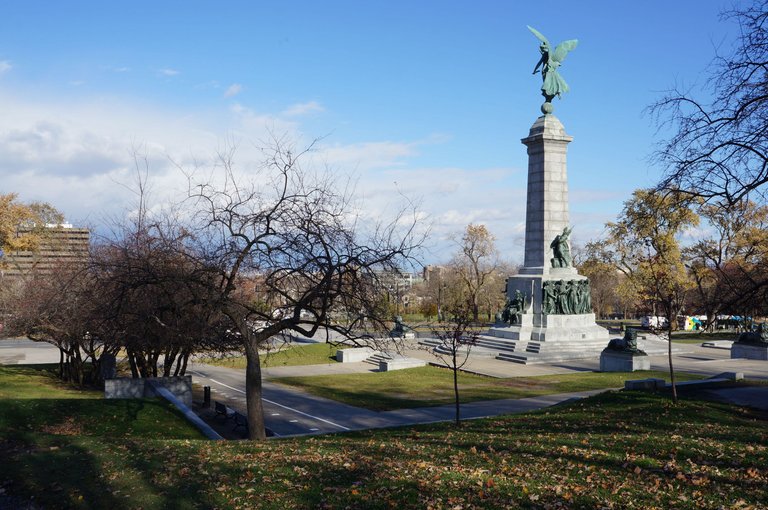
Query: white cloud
[367, 155]
[5, 65]
[233, 90]
[167, 72]
[80, 160]
[299, 109]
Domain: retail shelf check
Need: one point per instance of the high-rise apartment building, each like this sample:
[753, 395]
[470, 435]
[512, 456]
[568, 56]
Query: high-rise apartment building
[60, 246]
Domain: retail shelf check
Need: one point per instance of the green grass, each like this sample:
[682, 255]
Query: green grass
[310, 354]
[616, 450]
[431, 386]
[56, 438]
[696, 337]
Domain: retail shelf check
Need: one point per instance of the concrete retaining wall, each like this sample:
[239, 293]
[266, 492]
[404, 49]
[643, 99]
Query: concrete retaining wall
[125, 387]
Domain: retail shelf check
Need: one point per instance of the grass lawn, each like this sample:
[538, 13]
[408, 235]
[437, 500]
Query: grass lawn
[294, 355]
[56, 440]
[430, 386]
[696, 337]
[616, 450]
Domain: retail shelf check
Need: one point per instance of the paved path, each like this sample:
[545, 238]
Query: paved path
[19, 351]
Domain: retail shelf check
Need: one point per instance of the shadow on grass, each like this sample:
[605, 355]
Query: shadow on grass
[73, 452]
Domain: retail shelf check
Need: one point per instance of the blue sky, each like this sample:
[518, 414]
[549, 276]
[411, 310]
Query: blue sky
[429, 98]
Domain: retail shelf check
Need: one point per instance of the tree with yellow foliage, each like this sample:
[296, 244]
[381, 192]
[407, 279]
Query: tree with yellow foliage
[644, 243]
[14, 215]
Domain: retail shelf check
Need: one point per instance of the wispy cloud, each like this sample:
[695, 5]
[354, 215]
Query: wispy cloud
[233, 90]
[167, 72]
[303, 109]
[5, 65]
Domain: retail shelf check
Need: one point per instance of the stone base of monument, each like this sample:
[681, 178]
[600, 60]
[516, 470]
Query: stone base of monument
[544, 338]
[749, 351]
[617, 361]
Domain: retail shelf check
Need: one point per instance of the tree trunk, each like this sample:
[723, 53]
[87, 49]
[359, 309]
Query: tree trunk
[456, 384]
[134, 367]
[61, 362]
[181, 364]
[671, 368]
[253, 389]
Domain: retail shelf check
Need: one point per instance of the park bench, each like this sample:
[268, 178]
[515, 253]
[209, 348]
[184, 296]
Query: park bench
[224, 411]
[240, 421]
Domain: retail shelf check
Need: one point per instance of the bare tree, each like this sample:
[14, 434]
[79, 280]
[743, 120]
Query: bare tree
[59, 308]
[285, 253]
[475, 264]
[718, 150]
[456, 339]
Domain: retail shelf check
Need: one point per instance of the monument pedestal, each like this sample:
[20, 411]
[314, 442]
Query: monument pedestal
[616, 361]
[749, 351]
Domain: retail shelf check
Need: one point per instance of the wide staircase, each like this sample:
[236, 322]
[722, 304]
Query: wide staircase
[516, 351]
[529, 351]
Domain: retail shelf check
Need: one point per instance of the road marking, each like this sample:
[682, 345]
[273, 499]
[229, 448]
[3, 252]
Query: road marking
[294, 421]
[281, 405]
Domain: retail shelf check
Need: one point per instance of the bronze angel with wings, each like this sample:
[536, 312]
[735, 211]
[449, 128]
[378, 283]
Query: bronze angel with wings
[553, 84]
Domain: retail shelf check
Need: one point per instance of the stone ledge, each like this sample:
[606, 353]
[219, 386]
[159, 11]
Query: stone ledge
[354, 354]
[400, 363]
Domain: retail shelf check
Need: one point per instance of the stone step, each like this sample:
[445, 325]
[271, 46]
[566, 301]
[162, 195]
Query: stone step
[378, 357]
[514, 358]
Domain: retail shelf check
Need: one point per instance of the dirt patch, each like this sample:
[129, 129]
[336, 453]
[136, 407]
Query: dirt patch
[66, 428]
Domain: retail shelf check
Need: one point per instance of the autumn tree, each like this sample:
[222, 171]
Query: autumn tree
[21, 225]
[593, 261]
[718, 147]
[290, 238]
[476, 265]
[730, 267]
[645, 247]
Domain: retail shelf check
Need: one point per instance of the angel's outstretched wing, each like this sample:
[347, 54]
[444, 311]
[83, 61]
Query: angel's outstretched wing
[562, 49]
[538, 35]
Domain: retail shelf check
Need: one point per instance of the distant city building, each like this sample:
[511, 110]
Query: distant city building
[60, 246]
[433, 273]
[398, 283]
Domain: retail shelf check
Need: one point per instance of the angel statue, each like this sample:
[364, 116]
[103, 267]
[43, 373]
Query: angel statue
[553, 84]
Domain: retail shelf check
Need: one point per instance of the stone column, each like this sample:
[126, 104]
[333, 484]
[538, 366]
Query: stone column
[547, 208]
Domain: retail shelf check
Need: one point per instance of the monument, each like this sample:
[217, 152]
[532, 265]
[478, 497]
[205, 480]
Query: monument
[549, 311]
